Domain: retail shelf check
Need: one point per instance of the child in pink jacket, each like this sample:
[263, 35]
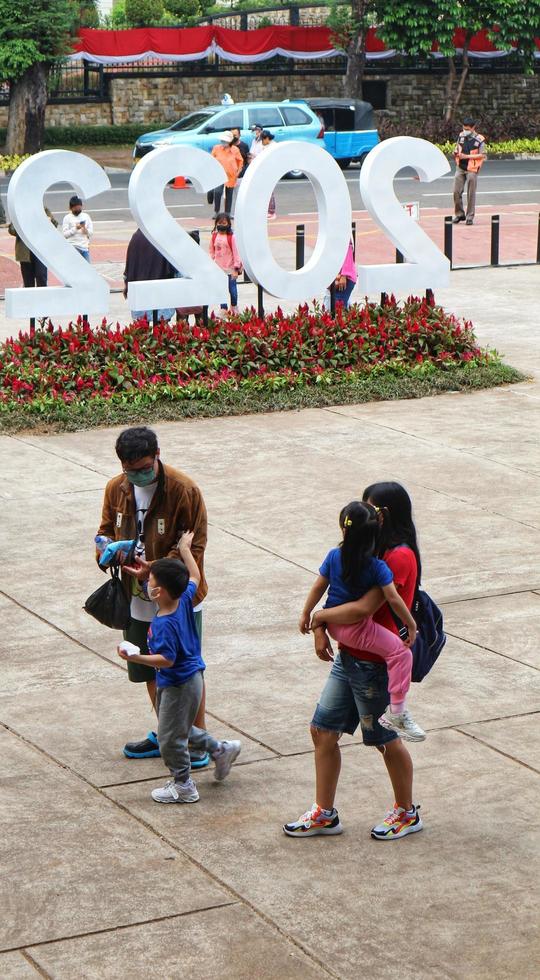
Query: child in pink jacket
[224, 253]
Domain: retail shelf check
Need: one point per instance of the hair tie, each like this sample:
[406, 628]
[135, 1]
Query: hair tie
[347, 522]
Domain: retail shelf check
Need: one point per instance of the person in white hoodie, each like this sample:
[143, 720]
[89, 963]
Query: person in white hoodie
[77, 227]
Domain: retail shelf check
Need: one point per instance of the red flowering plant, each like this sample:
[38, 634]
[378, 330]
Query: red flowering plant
[142, 362]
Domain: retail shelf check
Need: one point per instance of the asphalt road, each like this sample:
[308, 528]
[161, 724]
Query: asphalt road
[501, 182]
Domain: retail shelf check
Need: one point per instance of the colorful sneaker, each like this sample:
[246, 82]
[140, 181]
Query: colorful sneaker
[176, 792]
[398, 823]
[224, 758]
[199, 760]
[147, 749]
[314, 822]
[402, 723]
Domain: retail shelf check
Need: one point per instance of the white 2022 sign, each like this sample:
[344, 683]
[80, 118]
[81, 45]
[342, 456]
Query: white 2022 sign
[86, 291]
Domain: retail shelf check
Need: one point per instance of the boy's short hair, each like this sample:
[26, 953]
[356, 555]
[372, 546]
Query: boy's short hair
[171, 574]
[135, 443]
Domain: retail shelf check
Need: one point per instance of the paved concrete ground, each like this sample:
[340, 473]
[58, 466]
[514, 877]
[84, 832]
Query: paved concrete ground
[100, 882]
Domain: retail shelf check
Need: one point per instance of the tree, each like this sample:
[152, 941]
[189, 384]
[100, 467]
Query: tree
[144, 13]
[413, 25]
[349, 26]
[33, 35]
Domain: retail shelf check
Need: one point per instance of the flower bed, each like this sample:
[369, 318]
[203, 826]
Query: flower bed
[141, 365]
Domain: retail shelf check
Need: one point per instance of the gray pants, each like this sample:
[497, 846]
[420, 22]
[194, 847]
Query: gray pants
[177, 708]
[470, 179]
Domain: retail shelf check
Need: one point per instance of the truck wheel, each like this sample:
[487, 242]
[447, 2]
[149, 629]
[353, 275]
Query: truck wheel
[344, 163]
[362, 159]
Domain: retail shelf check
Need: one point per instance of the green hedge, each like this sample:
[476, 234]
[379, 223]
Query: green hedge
[93, 135]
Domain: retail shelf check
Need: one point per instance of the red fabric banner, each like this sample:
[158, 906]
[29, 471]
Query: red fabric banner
[193, 43]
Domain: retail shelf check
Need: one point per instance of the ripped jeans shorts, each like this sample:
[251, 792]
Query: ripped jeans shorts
[356, 692]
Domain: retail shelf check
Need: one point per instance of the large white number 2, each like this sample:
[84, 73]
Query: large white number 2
[334, 207]
[427, 266]
[206, 283]
[85, 290]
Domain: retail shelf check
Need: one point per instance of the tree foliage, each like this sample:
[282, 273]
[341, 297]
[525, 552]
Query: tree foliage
[411, 27]
[144, 13]
[33, 31]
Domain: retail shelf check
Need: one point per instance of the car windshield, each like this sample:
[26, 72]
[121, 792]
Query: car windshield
[193, 121]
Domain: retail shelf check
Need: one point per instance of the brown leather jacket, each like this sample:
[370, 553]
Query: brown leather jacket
[177, 506]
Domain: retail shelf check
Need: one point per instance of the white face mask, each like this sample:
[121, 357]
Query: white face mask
[151, 595]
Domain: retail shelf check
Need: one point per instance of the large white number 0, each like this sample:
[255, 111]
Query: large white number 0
[206, 283]
[85, 290]
[334, 206]
[427, 266]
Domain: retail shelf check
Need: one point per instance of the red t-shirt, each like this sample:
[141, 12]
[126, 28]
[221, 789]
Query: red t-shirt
[402, 563]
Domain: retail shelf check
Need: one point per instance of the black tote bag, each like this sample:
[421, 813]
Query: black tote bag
[109, 604]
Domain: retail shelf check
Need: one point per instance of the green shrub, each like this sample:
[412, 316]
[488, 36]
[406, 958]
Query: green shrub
[143, 13]
[97, 135]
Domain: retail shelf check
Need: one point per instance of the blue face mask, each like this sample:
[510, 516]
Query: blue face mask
[141, 478]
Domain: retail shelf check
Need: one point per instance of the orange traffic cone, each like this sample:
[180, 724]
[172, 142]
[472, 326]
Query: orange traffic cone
[178, 183]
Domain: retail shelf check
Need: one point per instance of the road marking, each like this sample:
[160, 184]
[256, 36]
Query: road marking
[531, 190]
[110, 210]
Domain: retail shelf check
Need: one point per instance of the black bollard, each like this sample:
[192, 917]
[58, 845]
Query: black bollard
[430, 297]
[333, 299]
[154, 318]
[495, 228]
[300, 245]
[448, 227]
[205, 315]
[384, 299]
[399, 256]
[32, 326]
[85, 319]
[353, 236]
[260, 301]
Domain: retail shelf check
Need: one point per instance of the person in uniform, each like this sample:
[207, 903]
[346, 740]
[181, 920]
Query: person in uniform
[470, 155]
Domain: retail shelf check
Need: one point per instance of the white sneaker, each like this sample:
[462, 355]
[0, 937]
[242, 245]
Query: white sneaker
[402, 723]
[398, 823]
[176, 792]
[224, 759]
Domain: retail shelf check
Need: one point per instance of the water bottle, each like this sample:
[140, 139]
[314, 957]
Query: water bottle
[101, 542]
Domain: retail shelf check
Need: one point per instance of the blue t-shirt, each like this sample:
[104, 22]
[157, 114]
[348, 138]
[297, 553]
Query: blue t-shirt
[375, 572]
[175, 637]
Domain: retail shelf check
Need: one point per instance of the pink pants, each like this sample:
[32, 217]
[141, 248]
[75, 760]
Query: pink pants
[369, 636]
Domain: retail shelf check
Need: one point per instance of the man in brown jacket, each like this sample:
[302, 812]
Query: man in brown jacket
[152, 504]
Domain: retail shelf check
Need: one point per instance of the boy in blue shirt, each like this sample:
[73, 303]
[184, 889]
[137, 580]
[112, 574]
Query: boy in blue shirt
[175, 651]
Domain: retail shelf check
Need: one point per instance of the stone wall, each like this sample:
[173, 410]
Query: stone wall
[408, 97]
[72, 114]
[148, 99]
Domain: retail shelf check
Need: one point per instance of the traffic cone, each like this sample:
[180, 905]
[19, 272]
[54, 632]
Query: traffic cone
[178, 183]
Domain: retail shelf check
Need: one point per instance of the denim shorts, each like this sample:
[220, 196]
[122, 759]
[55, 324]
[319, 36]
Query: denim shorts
[356, 692]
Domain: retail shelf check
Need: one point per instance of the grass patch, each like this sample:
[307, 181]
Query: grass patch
[378, 384]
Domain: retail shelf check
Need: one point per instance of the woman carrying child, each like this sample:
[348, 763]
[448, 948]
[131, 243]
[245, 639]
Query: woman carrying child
[224, 253]
[356, 691]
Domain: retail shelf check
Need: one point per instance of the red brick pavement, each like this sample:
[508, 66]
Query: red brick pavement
[518, 240]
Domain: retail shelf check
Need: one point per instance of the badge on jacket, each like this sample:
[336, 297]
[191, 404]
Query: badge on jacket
[161, 525]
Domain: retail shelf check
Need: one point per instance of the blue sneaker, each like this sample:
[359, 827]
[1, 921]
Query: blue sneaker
[147, 749]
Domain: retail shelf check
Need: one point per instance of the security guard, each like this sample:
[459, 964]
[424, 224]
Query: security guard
[470, 155]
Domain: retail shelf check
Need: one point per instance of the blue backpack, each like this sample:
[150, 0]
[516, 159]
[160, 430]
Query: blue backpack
[430, 638]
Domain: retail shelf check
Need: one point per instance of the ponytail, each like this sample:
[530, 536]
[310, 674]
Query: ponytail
[360, 525]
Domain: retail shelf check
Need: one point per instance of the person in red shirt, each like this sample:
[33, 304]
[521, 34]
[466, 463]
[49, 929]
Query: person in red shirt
[356, 691]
